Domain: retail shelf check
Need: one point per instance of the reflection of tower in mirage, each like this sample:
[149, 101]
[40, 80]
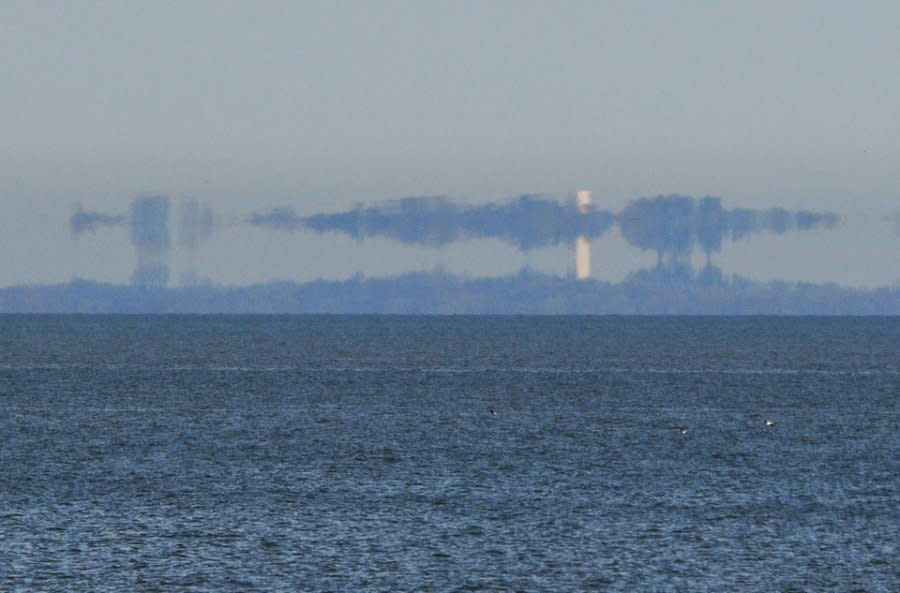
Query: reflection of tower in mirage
[151, 239]
[582, 246]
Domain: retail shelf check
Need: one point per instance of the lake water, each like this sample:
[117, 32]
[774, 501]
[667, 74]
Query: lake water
[362, 454]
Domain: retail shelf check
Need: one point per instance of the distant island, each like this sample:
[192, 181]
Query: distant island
[659, 291]
[674, 227]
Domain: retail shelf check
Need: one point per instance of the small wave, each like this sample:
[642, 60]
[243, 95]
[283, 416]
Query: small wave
[537, 370]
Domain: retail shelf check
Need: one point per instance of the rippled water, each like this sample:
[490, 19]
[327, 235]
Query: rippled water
[361, 454]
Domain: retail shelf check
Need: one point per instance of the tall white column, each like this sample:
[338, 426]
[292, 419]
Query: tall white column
[582, 245]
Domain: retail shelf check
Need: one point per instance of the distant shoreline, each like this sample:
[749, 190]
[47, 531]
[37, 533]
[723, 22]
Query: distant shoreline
[655, 292]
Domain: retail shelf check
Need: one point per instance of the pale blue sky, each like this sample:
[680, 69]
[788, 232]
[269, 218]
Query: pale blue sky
[318, 105]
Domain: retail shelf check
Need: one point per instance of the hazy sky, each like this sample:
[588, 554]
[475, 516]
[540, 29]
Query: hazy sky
[319, 105]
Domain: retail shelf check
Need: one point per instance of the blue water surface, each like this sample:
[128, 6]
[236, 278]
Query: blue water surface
[449, 454]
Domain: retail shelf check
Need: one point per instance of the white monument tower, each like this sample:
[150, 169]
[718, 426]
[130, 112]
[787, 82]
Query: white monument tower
[582, 247]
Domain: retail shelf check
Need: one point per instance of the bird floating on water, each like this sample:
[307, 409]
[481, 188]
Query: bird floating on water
[493, 412]
[769, 423]
[682, 429]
